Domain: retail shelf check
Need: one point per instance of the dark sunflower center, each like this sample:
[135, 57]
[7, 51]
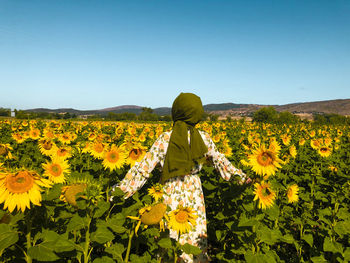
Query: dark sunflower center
[323, 149]
[134, 154]
[266, 191]
[47, 145]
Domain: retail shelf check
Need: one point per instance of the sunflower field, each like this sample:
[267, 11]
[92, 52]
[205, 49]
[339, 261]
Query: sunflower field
[56, 203]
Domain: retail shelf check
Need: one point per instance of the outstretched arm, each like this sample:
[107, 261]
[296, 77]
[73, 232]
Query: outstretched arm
[221, 163]
[137, 176]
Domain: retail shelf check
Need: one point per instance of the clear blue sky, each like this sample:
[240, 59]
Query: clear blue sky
[98, 54]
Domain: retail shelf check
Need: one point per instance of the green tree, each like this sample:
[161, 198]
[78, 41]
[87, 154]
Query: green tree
[287, 117]
[5, 112]
[266, 114]
[148, 115]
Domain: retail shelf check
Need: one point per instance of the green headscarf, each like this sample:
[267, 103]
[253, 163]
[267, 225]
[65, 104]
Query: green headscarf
[187, 111]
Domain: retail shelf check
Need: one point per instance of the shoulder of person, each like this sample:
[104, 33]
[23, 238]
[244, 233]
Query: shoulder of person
[204, 134]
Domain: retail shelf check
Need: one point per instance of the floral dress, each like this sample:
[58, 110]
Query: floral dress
[182, 190]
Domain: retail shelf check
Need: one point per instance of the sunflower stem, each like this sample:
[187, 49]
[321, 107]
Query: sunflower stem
[175, 255]
[87, 242]
[129, 243]
[28, 237]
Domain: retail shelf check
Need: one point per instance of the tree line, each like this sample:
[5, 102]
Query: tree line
[265, 114]
[270, 115]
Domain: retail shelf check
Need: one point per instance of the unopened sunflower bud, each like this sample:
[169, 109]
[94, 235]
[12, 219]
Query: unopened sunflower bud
[154, 216]
[71, 191]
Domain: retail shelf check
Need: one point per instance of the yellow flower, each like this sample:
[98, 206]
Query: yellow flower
[97, 150]
[324, 151]
[264, 161]
[114, 158]
[48, 134]
[136, 153]
[333, 168]
[292, 193]
[18, 137]
[245, 162]
[47, 147]
[34, 134]
[154, 215]
[65, 138]
[293, 151]
[150, 215]
[19, 189]
[156, 192]
[315, 143]
[327, 141]
[56, 170]
[182, 220]
[5, 150]
[264, 193]
[274, 146]
[64, 152]
[286, 139]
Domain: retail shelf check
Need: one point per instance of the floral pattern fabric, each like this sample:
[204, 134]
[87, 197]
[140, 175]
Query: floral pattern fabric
[182, 190]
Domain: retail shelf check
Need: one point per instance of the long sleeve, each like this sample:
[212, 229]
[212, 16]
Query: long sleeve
[137, 175]
[221, 163]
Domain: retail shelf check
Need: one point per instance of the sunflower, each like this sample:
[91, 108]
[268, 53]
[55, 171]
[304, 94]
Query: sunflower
[156, 192]
[264, 193]
[97, 150]
[56, 170]
[264, 161]
[69, 192]
[5, 150]
[48, 134]
[114, 158]
[142, 137]
[292, 193]
[293, 151]
[182, 220]
[92, 136]
[47, 147]
[324, 151]
[245, 162]
[274, 146]
[65, 138]
[216, 138]
[25, 123]
[286, 139]
[136, 153]
[19, 189]
[63, 152]
[312, 134]
[18, 137]
[315, 144]
[327, 141]
[34, 134]
[227, 150]
[333, 168]
[150, 215]
[302, 141]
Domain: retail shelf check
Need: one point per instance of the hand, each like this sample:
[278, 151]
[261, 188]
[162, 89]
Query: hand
[248, 180]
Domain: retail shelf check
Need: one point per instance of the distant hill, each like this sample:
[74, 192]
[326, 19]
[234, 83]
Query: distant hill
[340, 106]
